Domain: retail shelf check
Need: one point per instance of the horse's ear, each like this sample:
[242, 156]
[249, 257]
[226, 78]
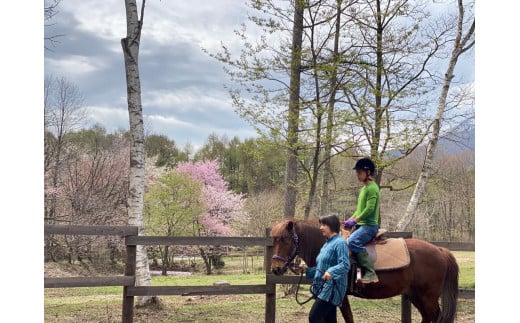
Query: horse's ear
[290, 225]
[275, 224]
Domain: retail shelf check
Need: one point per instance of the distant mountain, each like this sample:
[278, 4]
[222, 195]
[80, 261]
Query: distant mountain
[460, 140]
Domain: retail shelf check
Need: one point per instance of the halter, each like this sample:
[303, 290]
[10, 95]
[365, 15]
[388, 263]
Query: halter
[288, 263]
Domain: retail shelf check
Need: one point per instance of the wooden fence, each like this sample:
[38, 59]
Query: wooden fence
[132, 240]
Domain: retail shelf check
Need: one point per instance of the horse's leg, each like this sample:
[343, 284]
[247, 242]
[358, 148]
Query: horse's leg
[427, 305]
[346, 311]
[429, 276]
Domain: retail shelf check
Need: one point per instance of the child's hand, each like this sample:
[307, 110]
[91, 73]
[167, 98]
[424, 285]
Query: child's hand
[349, 223]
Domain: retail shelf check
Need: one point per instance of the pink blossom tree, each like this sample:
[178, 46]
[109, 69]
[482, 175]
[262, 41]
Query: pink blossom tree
[223, 208]
[205, 171]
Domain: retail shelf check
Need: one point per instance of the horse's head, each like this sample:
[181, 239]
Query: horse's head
[286, 244]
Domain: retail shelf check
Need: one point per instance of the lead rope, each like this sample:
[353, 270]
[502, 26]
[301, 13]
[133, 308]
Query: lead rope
[310, 289]
[298, 288]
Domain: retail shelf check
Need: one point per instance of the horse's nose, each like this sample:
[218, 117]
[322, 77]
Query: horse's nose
[277, 270]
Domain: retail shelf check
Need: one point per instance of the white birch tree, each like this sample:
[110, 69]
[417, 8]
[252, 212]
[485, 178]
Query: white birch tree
[130, 46]
[462, 43]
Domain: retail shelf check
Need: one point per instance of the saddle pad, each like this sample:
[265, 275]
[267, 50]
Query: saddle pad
[391, 253]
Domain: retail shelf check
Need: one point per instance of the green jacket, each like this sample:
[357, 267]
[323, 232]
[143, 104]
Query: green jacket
[367, 209]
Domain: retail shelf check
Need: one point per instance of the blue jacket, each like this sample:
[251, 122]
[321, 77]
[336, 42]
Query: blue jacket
[334, 258]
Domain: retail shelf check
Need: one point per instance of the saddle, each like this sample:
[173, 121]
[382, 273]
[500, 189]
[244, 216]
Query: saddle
[386, 253]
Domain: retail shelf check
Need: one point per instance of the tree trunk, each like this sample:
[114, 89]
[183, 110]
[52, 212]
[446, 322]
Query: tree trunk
[207, 260]
[459, 47]
[130, 46]
[165, 262]
[291, 166]
[324, 206]
[378, 118]
[313, 176]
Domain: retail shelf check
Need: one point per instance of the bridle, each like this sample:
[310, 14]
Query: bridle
[288, 263]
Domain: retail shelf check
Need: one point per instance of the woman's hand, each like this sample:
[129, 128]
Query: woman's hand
[326, 276]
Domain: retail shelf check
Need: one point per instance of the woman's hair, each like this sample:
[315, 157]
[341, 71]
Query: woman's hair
[332, 221]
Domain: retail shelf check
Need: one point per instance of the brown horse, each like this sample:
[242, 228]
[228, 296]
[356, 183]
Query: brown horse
[433, 272]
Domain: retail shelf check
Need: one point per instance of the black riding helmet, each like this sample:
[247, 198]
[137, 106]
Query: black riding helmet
[365, 164]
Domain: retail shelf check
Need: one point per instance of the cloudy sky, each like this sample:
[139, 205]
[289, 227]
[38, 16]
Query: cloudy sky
[183, 93]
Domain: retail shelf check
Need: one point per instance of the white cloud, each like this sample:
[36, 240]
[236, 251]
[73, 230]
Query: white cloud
[74, 65]
[198, 22]
[111, 118]
[187, 99]
[106, 19]
[168, 121]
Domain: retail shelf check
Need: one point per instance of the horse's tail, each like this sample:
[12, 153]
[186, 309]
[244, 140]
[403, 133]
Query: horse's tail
[450, 291]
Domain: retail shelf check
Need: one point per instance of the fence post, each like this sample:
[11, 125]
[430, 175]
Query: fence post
[128, 301]
[270, 295]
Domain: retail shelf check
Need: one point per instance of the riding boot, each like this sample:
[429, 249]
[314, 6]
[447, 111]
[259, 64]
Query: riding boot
[367, 264]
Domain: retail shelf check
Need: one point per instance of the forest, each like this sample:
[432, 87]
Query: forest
[90, 187]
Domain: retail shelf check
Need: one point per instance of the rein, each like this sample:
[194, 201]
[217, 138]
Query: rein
[313, 294]
[288, 263]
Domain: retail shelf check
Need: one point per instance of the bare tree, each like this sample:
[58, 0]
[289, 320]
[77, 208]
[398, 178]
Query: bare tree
[396, 45]
[462, 43]
[93, 188]
[50, 10]
[297, 101]
[322, 66]
[130, 45]
[324, 203]
[63, 112]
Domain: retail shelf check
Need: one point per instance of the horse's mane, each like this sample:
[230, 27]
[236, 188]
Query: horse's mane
[311, 239]
[305, 226]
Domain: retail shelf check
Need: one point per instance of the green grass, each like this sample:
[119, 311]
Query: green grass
[208, 280]
[466, 261]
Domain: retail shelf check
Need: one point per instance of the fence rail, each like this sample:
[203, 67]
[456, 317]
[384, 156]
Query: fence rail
[65, 282]
[455, 246]
[196, 290]
[215, 241]
[90, 230]
[128, 280]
